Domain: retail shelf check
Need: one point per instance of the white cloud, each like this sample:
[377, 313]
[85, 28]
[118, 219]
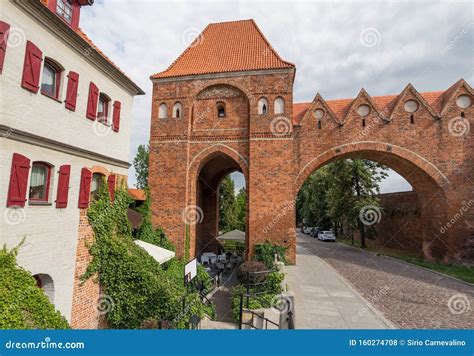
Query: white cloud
[321, 38]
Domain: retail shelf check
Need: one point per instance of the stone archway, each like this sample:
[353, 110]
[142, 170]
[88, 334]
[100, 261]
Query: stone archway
[430, 185]
[206, 172]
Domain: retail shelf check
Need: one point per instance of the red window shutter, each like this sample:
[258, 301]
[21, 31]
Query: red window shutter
[4, 28]
[92, 101]
[18, 181]
[63, 186]
[32, 67]
[85, 188]
[71, 93]
[111, 183]
[116, 117]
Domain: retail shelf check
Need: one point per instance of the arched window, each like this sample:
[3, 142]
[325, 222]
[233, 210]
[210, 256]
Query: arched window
[262, 106]
[177, 110]
[279, 106]
[97, 179]
[40, 182]
[163, 111]
[220, 109]
[45, 282]
[103, 109]
[51, 78]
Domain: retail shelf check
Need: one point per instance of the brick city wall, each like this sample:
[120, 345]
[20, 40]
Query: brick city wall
[400, 226]
[278, 155]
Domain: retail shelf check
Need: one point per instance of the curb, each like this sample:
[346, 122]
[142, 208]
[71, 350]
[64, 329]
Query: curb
[411, 264]
[429, 270]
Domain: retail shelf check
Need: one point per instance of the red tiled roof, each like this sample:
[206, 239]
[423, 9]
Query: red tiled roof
[226, 47]
[341, 106]
[137, 194]
[92, 44]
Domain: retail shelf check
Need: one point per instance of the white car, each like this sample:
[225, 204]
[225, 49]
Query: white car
[326, 236]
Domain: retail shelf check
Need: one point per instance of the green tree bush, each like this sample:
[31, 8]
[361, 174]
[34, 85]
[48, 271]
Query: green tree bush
[140, 288]
[22, 304]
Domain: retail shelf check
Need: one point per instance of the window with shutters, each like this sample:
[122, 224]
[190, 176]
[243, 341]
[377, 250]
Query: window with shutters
[18, 185]
[4, 31]
[39, 182]
[96, 183]
[103, 108]
[71, 92]
[63, 186]
[64, 9]
[111, 185]
[116, 116]
[84, 188]
[92, 101]
[51, 78]
[31, 67]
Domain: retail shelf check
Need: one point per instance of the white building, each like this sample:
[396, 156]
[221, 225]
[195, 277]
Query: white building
[65, 120]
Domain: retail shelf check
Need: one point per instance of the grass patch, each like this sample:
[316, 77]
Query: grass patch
[461, 272]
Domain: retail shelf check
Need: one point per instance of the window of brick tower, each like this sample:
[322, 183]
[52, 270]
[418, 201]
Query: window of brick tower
[279, 106]
[64, 9]
[220, 109]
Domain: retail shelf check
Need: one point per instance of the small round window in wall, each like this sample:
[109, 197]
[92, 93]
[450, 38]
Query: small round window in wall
[363, 110]
[463, 101]
[318, 113]
[411, 105]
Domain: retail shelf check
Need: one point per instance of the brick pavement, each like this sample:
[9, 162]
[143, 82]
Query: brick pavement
[408, 296]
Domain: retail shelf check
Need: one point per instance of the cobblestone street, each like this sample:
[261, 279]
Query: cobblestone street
[408, 296]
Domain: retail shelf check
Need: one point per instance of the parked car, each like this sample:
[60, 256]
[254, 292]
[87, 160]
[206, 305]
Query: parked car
[307, 230]
[326, 236]
[314, 231]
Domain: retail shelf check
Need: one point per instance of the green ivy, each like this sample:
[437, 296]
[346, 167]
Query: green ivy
[266, 253]
[22, 304]
[147, 233]
[140, 288]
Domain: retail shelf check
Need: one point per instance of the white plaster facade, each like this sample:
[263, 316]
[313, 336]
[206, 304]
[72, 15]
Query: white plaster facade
[51, 234]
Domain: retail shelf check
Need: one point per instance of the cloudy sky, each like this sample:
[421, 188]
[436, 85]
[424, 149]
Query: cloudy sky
[338, 46]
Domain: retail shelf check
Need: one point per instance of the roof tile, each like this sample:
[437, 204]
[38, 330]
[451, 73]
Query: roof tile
[226, 47]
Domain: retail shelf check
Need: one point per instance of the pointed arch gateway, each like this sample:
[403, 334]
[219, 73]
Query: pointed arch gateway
[205, 173]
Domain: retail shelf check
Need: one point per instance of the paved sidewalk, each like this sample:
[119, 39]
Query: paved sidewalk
[324, 300]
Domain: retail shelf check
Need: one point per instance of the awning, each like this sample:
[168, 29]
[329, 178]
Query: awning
[160, 254]
[234, 235]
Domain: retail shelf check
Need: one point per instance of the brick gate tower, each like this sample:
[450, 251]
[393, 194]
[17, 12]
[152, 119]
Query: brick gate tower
[213, 112]
[226, 104]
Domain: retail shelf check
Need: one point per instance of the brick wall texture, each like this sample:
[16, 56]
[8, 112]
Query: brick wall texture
[191, 154]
